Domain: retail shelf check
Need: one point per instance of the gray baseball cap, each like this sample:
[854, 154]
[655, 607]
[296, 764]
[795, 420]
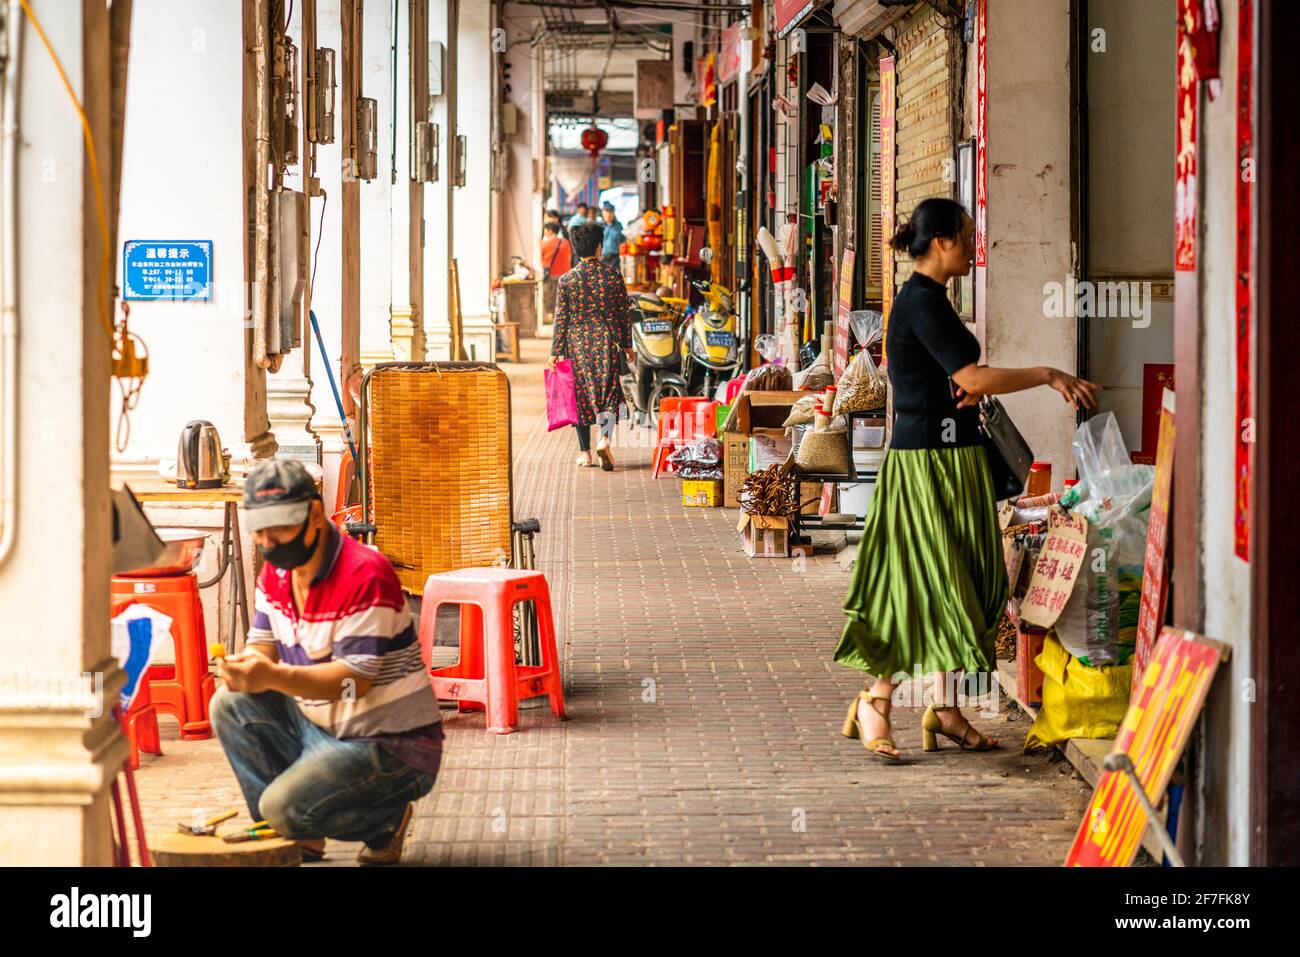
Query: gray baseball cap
[277, 492]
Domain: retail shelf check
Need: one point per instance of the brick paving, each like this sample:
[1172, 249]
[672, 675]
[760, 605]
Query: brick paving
[704, 710]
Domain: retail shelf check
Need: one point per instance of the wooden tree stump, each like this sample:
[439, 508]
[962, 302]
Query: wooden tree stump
[188, 850]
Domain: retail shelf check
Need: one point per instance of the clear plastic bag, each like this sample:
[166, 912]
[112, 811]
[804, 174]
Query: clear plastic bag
[862, 387]
[817, 376]
[1110, 486]
[701, 453]
[768, 346]
[1114, 495]
[867, 325]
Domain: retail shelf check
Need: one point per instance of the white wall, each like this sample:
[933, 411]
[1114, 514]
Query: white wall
[1028, 57]
[182, 178]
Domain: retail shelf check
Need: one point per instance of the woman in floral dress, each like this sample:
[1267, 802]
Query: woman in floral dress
[591, 329]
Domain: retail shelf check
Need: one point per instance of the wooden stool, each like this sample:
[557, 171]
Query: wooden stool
[511, 332]
[191, 850]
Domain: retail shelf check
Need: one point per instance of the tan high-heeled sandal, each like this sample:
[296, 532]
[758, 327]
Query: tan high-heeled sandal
[603, 453]
[931, 727]
[853, 727]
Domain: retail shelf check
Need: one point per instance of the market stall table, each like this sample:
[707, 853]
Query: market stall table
[163, 492]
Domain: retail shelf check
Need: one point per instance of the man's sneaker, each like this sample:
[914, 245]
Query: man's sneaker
[391, 851]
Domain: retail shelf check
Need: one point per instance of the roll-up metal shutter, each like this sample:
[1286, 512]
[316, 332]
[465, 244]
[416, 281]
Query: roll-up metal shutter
[924, 115]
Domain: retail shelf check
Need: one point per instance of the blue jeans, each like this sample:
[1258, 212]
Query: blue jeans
[304, 781]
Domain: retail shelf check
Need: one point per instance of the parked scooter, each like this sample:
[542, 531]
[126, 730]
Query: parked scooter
[656, 341]
[710, 345]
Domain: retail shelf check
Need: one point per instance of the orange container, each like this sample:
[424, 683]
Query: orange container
[1040, 479]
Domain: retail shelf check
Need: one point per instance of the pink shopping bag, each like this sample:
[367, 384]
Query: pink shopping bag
[561, 401]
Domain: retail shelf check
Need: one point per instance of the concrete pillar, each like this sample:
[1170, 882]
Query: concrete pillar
[475, 86]
[1029, 106]
[59, 747]
[439, 209]
[379, 256]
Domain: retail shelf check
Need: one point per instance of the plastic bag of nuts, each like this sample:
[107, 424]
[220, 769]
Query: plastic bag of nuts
[861, 388]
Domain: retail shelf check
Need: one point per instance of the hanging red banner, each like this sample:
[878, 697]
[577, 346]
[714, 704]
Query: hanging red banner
[788, 13]
[981, 149]
[1245, 188]
[1185, 140]
[729, 58]
[886, 196]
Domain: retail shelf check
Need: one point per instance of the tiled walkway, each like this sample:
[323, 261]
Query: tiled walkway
[704, 710]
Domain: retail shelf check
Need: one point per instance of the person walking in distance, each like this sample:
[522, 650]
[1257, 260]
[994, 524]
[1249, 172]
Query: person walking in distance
[593, 330]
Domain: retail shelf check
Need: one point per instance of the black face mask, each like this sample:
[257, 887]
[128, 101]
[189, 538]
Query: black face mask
[293, 553]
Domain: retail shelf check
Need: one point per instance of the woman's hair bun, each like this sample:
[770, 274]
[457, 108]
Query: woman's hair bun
[903, 237]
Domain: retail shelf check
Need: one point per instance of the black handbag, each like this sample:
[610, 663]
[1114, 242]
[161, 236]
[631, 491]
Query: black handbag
[1010, 456]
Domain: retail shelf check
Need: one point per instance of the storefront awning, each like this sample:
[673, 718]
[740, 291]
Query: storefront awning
[790, 13]
[866, 18]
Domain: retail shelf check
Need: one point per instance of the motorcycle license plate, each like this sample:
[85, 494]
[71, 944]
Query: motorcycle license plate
[656, 325]
[724, 338]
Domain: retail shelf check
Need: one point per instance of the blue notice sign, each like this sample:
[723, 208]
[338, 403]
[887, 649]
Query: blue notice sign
[167, 269]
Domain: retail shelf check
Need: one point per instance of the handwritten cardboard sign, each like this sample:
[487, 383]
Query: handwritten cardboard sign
[1056, 570]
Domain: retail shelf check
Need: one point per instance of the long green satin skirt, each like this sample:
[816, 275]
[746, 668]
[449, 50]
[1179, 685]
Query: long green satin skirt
[930, 583]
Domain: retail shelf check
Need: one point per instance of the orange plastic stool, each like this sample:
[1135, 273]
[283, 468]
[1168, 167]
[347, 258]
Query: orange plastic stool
[680, 421]
[486, 675]
[184, 689]
[141, 725]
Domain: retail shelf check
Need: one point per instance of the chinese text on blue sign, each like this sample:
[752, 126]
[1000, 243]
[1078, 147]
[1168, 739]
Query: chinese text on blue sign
[167, 269]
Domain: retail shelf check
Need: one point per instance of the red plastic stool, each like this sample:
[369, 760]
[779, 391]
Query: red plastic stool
[141, 725]
[681, 420]
[486, 675]
[184, 689]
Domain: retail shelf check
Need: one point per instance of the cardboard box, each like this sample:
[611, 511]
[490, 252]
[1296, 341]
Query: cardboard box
[701, 493]
[768, 447]
[764, 536]
[810, 495]
[751, 410]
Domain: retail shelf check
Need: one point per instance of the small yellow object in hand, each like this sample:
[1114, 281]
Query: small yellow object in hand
[217, 649]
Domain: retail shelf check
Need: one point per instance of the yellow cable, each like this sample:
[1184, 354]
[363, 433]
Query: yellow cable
[100, 216]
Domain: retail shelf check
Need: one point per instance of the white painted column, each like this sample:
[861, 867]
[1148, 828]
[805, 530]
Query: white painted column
[475, 62]
[1029, 108]
[378, 251]
[437, 246]
[59, 747]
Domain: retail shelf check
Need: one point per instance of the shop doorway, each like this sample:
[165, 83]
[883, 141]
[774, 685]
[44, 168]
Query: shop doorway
[1124, 295]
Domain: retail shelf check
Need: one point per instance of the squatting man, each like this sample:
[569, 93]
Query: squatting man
[326, 716]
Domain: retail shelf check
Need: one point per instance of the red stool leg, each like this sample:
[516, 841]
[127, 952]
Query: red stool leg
[499, 645]
[473, 638]
[191, 664]
[550, 656]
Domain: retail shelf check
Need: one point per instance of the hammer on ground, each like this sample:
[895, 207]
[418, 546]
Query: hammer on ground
[207, 828]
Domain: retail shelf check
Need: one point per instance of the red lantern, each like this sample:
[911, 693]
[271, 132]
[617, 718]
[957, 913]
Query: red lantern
[594, 140]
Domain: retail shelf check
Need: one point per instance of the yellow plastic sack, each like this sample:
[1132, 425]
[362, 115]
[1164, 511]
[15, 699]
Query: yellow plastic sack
[1078, 701]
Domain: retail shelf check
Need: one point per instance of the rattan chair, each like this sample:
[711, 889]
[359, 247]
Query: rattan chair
[435, 480]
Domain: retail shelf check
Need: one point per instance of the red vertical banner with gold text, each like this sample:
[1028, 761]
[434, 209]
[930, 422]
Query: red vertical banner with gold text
[981, 168]
[1189, 14]
[886, 197]
[1245, 189]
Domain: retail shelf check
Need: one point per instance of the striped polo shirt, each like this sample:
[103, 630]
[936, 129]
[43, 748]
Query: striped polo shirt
[355, 613]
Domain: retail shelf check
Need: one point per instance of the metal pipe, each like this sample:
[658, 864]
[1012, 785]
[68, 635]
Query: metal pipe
[261, 160]
[9, 319]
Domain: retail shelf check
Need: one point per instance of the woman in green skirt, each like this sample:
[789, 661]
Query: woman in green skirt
[929, 585]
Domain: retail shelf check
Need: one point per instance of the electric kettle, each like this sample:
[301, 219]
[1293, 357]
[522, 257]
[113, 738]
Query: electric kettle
[201, 462]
